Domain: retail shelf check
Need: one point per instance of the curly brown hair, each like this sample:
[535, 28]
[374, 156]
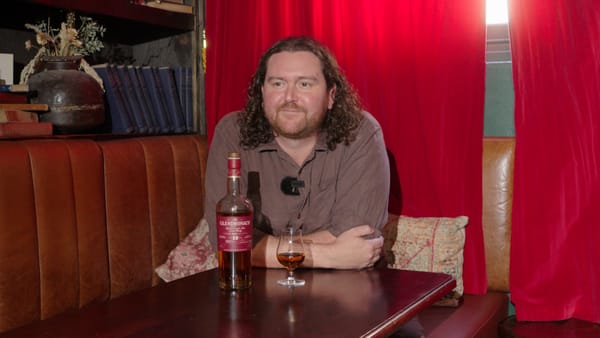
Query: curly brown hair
[340, 122]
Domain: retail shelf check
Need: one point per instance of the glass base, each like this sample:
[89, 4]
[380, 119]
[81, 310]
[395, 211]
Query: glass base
[291, 282]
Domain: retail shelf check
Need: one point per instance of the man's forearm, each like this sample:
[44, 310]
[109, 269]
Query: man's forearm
[351, 250]
[315, 246]
[264, 253]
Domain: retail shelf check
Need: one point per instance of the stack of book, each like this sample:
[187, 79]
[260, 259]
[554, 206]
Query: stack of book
[18, 117]
[146, 99]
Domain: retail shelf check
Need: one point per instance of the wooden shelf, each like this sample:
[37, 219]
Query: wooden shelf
[126, 22]
[95, 137]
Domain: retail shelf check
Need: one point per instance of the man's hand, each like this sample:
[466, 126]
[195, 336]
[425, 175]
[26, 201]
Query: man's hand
[350, 250]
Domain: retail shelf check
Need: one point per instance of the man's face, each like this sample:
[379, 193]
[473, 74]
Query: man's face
[295, 95]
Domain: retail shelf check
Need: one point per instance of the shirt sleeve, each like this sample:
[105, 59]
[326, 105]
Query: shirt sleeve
[363, 181]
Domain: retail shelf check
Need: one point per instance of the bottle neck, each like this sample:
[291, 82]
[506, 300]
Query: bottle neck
[233, 174]
[233, 185]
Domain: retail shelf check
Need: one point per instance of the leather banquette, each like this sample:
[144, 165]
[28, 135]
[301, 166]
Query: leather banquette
[84, 221]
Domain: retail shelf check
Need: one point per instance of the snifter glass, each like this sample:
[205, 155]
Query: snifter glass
[290, 254]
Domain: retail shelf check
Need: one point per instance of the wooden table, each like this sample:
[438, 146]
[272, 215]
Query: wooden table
[334, 303]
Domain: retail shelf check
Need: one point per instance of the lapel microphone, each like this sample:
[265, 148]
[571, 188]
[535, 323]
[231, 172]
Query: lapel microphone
[290, 185]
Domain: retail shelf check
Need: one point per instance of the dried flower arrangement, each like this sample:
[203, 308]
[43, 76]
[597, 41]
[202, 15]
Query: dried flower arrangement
[65, 41]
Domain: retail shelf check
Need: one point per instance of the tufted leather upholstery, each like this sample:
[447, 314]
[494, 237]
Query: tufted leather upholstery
[498, 166]
[83, 221]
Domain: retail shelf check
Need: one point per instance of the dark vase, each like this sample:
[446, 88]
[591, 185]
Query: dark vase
[75, 98]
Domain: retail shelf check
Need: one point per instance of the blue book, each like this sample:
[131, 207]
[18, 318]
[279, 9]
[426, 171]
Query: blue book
[183, 79]
[120, 91]
[143, 100]
[135, 73]
[117, 112]
[156, 98]
[167, 81]
[128, 92]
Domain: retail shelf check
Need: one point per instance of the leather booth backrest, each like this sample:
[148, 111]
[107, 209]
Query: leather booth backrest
[83, 221]
[154, 197]
[498, 165]
[53, 253]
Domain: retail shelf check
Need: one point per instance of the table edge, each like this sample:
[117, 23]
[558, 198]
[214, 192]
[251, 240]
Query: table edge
[385, 328]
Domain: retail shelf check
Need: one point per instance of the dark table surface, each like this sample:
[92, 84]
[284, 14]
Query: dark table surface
[333, 303]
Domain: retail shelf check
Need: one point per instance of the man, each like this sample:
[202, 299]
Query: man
[320, 160]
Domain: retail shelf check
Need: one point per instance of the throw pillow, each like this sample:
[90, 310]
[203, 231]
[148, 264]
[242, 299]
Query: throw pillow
[192, 255]
[433, 244]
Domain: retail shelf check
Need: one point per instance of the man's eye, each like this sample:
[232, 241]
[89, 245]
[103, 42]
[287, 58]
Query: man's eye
[305, 84]
[277, 84]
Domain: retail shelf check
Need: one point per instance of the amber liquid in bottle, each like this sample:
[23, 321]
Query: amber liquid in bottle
[234, 231]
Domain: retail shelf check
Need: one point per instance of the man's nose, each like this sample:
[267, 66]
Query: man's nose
[291, 94]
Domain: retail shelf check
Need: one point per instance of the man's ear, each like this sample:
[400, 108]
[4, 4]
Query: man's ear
[331, 97]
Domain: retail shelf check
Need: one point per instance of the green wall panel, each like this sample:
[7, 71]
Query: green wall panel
[499, 100]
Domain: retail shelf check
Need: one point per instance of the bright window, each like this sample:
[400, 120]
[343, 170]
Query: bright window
[498, 46]
[496, 11]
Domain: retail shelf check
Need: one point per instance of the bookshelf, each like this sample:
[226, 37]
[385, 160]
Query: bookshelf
[129, 23]
[135, 26]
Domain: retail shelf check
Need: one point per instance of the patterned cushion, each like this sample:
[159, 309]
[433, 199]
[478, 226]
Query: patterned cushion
[433, 244]
[192, 255]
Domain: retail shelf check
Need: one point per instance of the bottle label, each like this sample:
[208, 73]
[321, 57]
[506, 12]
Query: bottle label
[235, 233]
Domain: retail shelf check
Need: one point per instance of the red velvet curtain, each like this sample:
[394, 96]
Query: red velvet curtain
[555, 254]
[419, 68]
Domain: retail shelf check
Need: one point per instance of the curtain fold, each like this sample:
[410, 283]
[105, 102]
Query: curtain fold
[555, 260]
[419, 67]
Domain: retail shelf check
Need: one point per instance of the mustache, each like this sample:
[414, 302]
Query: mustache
[291, 106]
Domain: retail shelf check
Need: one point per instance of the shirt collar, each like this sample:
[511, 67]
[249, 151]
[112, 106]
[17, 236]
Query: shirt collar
[273, 146]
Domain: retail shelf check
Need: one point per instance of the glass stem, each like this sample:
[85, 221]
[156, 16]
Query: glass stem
[291, 275]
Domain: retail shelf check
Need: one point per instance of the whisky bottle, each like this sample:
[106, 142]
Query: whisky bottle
[234, 231]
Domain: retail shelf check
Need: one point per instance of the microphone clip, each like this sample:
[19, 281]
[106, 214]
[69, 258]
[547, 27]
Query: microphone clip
[290, 185]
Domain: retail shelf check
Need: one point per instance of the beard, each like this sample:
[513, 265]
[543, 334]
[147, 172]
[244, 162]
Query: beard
[298, 126]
